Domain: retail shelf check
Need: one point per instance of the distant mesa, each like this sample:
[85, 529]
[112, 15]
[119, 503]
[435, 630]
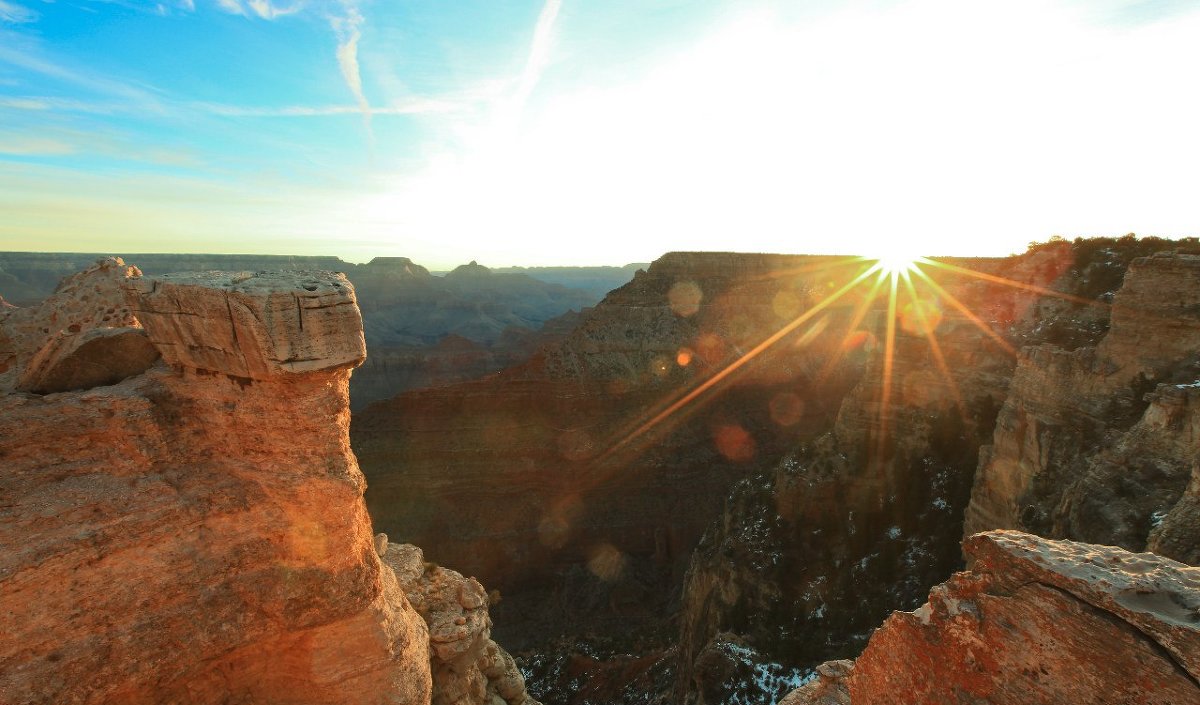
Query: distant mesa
[472, 269]
[402, 264]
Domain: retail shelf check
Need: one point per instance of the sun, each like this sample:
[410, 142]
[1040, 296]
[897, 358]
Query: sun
[894, 261]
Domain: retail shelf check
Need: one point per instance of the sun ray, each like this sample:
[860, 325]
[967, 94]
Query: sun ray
[741, 361]
[962, 308]
[860, 313]
[889, 354]
[935, 348]
[1016, 284]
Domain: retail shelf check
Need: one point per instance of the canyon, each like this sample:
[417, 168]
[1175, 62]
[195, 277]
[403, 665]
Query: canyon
[593, 473]
[711, 487]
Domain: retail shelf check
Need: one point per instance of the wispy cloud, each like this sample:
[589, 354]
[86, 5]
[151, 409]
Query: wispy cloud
[508, 113]
[13, 13]
[348, 29]
[416, 106]
[65, 105]
[539, 51]
[36, 139]
[24, 146]
[450, 103]
[264, 9]
[23, 57]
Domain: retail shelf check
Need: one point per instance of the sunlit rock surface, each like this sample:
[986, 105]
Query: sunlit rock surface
[196, 533]
[84, 335]
[252, 325]
[468, 667]
[1035, 621]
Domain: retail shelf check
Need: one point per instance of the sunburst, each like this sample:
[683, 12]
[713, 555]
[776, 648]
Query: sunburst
[896, 275]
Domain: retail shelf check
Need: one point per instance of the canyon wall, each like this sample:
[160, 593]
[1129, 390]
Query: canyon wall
[1031, 622]
[1100, 443]
[808, 557]
[187, 526]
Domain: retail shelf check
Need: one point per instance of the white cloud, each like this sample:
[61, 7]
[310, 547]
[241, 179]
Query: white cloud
[16, 14]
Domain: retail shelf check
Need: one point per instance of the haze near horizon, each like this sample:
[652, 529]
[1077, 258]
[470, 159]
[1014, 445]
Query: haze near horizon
[564, 133]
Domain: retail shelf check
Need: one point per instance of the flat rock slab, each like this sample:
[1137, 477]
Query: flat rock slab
[254, 325]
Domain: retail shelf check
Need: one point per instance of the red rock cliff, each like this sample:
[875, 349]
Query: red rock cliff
[194, 533]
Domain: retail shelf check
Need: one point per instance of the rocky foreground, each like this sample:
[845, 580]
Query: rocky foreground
[1034, 621]
[182, 517]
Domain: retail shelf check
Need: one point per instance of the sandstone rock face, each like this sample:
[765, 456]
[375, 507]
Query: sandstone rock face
[468, 667]
[95, 358]
[82, 336]
[27, 278]
[273, 323]
[1100, 443]
[1039, 621]
[196, 533]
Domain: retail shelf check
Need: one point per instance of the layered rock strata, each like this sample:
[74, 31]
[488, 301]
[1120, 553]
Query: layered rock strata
[1100, 443]
[1034, 621]
[195, 532]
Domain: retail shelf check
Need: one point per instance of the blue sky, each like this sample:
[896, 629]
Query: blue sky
[570, 132]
